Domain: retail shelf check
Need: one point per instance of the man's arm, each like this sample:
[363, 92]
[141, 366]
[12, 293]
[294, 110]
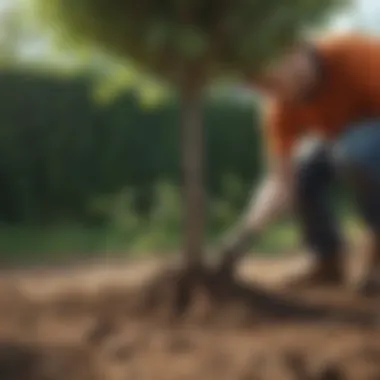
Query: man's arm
[271, 198]
[281, 130]
[266, 204]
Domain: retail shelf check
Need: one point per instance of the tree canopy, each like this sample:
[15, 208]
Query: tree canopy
[171, 37]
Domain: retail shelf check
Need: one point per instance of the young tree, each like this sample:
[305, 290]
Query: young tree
[189, 43]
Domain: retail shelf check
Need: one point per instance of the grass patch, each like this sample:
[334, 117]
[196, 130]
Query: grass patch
[127, 234]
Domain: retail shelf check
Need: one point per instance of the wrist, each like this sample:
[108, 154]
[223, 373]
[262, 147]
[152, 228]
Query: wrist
[235, 247]
[240, 241]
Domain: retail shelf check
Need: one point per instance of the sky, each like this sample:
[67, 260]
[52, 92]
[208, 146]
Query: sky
[366, 13]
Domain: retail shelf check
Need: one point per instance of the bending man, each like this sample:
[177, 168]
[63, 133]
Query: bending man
[329, 89]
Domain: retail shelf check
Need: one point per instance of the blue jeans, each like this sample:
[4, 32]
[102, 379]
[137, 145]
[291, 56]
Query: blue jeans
[360, 145]
[354, 158]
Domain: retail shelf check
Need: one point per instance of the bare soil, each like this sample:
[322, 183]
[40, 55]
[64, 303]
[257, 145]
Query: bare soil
[121, 321]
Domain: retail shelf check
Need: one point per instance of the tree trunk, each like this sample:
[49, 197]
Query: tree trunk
[192, 172]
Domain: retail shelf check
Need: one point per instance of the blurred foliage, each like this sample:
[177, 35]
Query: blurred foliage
[59, 148]
[110, 83]
[171, 37]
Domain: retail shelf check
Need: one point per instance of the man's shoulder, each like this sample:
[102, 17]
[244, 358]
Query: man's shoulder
[339, 37]
[341, 42]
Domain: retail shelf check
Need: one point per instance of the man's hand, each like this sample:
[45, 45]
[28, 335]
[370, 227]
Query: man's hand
[234, 247]
[267, 203]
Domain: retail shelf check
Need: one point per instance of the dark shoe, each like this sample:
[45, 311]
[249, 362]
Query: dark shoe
[324, 273]
[370, 285]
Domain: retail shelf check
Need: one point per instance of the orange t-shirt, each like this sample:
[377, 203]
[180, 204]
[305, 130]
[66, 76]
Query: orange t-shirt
[350, 92]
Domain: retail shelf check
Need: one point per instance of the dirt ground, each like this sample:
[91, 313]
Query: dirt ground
[90, 323]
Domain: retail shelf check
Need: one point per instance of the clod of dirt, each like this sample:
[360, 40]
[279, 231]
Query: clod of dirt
[362, 363]
[180, 345]
[17, 362]
[297, 364]
[100, 331]
[123, 352]
[217, 363]
[331, 372]
[254, 368]
[105, 303]
[371, 354]
[120, 349]
[31, 362]
[74, 363]
[17, 307]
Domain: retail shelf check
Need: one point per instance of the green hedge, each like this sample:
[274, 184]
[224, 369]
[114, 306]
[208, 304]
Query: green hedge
[59, 149]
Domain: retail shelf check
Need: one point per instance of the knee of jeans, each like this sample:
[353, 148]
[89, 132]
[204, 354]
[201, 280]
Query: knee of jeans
[360, 171]
[357, 152]
[312, 172]
[351, 164]
[345, 162]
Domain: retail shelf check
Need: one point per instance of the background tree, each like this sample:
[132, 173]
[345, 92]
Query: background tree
[188, 43]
